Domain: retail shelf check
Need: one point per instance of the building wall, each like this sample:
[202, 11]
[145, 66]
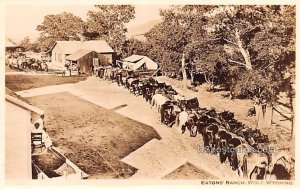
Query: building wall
[58, 57]
[17, 143]
[86, 62]
[55, 52]
[110, 56]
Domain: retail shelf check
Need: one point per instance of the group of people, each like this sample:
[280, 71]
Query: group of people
[39, 127]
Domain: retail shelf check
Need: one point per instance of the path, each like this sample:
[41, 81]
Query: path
[156, 158]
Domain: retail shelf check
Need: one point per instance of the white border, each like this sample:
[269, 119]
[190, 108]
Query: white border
[125, 183]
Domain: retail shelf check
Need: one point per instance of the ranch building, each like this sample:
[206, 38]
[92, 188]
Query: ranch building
[85, 59]
[62, 49]
[10, 47]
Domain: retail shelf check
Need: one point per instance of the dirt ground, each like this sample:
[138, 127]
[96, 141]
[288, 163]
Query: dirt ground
[92, 137]
[189, 171]
[96, 156]
[79, 128]
[24, 82]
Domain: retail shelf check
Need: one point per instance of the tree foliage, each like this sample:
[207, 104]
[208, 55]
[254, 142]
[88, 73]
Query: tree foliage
[249, 50]
[63, 26]
[108, 22]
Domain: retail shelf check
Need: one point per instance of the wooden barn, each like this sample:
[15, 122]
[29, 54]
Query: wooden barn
[62, 49]
[85, 59]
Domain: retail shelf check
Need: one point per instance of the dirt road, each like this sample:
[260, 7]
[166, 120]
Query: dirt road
[157, 158]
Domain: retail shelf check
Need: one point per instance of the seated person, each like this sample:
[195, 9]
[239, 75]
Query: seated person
[41, 122]
[45, 137]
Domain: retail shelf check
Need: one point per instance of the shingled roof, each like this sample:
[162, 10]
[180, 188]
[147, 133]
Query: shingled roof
[69, 47]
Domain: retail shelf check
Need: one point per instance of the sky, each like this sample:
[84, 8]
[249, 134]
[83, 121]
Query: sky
[22, 20]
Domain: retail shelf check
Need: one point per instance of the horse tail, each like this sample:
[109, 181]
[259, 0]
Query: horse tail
[162, 113]
[177, 120]
[234, 160]
[152, 101]
[194, 129]
[205, 138]
[245, 172]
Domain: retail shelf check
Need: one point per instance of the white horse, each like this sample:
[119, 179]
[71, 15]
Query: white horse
[181, 119]
[158, 100]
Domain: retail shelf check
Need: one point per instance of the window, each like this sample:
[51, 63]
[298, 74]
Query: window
[95, 62]
[59, 58]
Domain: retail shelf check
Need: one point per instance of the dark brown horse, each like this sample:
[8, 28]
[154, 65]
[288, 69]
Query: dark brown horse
[209, 135]
[222, 139]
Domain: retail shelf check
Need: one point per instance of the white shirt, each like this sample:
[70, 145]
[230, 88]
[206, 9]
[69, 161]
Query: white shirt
[41, 122]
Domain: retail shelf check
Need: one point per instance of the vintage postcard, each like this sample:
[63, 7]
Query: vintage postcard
[173, 92]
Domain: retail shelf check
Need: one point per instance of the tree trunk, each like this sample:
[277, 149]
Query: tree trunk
[291, 99]
[184, 77]
[244, 51]
[192, 76]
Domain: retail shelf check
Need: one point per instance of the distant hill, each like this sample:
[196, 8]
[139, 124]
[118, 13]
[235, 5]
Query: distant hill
[137, 31]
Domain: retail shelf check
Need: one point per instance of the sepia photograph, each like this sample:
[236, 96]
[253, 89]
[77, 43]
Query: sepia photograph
[167, 92]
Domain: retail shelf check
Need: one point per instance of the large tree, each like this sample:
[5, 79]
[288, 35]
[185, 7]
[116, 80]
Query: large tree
[108, 22]
[63, 26]
[29, 45]
[250, 50]
[261, 39]
[26, 44]
[174, 37]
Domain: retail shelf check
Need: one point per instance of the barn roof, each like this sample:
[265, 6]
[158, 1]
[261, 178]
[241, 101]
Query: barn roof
[68, 47]
[97, 45]
[78, 54]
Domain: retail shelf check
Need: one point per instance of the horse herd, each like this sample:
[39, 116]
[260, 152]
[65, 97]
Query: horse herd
[26, 64]
[244, 148]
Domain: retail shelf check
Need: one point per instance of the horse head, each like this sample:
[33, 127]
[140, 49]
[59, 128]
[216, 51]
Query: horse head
[283, 156]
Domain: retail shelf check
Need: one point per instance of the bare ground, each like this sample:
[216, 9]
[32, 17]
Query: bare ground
[92, 137]
[188, 171]
[171, 152]
[109, 95]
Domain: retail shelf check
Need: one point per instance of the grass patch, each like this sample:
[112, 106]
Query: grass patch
[25, 82]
